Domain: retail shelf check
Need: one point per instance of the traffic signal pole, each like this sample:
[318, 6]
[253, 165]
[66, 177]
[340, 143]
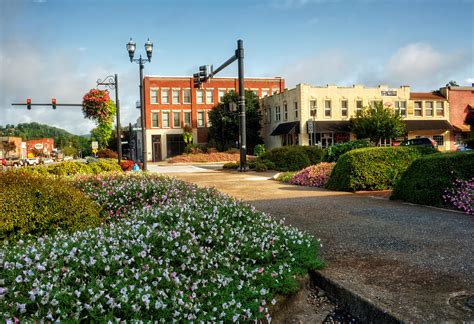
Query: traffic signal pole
[198, 79]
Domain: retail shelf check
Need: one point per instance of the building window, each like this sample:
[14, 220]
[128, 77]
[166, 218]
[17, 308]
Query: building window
[439, 108]
[269, 115]
[187, 118]
[285, 112]
[200, 118]
[208, 119]
[166, 119]
[385, 142]
[296, 110]
[154, 96]
[187, 96]
[165, 96]
[220, 95]
[418, 108]
[313, 108]
[429, 108]
[277, 113]
[344, 109]
[176, 119]
[154, 119]
[176, 96]
[209, 96]
[401, 108]
[200, 96]
[374, 103]
[439, 139]
[358, 106]
[327, 108]
[264, 92]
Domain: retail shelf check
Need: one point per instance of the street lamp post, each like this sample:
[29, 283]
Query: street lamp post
[141, 62]
[112, 82]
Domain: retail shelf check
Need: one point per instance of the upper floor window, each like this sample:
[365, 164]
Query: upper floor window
[417, 108]
[208, 119]
[154, 96]
[344, 108]
[209, 96]
[327, 108]
[187, 96]
[176, 96]
[374, 103]
[313, 108]
[439, 108]
[429, 108]
[200, 96]
[296, 109]
[401, 108]
[166, 119]
[154, 119]
[176, 119]
[277, 114]
[220, 95]
[165, 96]
[264, 92]
[187, 118]
[285, 112]
[200, 118]
[359, 106]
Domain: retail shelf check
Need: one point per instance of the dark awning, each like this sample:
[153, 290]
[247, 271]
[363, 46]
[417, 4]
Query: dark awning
[286, 128]
[414, 125]
[331, 126]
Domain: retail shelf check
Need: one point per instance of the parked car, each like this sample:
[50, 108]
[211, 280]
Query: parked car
[421, 141]
[12, 162]
[67, 158]
[31, 161]
[47, 161]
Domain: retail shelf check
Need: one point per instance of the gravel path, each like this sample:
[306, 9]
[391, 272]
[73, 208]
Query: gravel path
[408, 259]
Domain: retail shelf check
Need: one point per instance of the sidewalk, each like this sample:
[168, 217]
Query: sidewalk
[416, 263]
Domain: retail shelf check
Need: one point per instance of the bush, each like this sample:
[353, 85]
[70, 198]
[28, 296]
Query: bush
[70, 168]
[260, 166]
[461, 196]
[314, 175]
[258, 150]
[373, 168]
[292, 158]
[332, 153]
[42, 205]
[285, 176]
[233, 151]
[426, 180]
[105, 165]
[231, 165]
[107, 154]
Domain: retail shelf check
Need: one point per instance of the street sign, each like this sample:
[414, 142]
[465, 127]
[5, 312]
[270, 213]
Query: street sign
[95, 145]
[94, 151]
[310, 127]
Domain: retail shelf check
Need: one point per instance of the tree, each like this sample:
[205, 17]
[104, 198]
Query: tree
[187, 134]
[452, 83]
[224, 129]
[377, 123]
[8, 147]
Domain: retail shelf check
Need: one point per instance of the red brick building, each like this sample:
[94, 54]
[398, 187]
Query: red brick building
[460, 99]
[40, 147]
[172, 102]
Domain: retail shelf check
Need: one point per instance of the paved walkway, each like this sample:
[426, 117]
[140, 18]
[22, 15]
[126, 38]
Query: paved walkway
[410, 260]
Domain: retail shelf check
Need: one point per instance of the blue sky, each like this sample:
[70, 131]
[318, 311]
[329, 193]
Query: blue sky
[59, 48]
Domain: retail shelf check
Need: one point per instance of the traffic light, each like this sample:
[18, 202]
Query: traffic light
[28, 103]
[197, 80]
[53, 103]
[203, 74]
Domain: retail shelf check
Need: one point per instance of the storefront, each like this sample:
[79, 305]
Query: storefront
[288, 132]
[327, 133]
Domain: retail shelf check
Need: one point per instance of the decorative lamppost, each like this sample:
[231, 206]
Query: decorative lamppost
[131, 46]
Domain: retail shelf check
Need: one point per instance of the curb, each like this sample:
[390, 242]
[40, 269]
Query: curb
[361, 308]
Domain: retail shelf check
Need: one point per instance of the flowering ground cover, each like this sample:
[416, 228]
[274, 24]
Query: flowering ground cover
[314, 175]
[205, 157]
[461, 195]
[170, 251]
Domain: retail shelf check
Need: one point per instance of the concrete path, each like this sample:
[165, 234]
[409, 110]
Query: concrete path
[415, 262]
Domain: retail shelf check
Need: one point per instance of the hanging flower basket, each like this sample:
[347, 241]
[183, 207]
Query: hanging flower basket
[95, 105]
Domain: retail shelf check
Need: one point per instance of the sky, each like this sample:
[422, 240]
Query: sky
[59, 48]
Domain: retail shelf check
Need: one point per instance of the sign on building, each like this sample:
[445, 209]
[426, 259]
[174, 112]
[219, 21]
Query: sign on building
[310, 126]
[389, 93]
[95, 145]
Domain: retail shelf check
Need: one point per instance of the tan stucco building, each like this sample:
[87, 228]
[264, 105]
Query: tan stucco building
[320, 115]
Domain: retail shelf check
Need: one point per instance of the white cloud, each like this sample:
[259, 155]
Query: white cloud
[469, 81]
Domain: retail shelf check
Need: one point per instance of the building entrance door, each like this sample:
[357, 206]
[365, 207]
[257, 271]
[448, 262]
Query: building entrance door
[326, 140]
[156, 147]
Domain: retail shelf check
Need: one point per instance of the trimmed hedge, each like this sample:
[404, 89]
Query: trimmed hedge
[373, 168]
[41, 205]
[425, 181]
[292, 158]
[332, 153]
[69, 168]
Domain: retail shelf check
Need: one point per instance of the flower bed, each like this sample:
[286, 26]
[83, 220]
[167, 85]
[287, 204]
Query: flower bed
[176, 253]
[314, 175]
[205, 157]
[461, 196]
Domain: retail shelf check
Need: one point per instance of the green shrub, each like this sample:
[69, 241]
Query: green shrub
[292, 158]
[105, 165]
[231, 165]
[286, 176]
[260, 166]
[107, 154]
[41, 205]
[332, 153]
[373, 168]
[69, 168]
[425, 181]
[258, 150]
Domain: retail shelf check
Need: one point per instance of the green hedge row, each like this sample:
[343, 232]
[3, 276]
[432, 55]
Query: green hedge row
[291, 158]
[37, 205]
[71, 168]
[373, 168]
[332, 153]
[426, 179]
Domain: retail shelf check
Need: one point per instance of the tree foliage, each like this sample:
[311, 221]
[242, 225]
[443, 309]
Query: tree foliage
[452, 83]
[377, 123]
[224, 129]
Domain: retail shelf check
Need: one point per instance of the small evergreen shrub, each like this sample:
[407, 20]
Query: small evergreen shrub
[260, 166]
[258, 150]
[314, 175]
[332, 153]
[107, 154]
[373, 168]
[427, 179]
[33, 205]
[285, 176]
[292, 158]
[231, 165]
